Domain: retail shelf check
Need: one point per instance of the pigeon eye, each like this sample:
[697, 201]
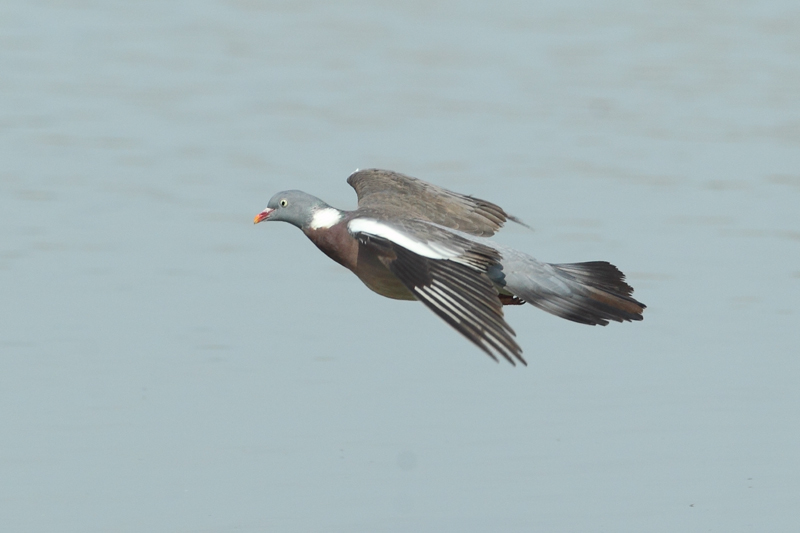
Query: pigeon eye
[284, 203]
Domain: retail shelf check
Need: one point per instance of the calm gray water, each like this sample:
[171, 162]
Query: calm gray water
[167, 366]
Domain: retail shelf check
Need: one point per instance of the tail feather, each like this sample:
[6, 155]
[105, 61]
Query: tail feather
[589, 293]
[599, 274]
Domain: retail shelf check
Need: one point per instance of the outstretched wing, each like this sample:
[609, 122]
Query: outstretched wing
[449, 278]
[392, 192]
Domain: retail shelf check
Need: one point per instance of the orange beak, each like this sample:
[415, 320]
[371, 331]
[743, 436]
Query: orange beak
[263, 215]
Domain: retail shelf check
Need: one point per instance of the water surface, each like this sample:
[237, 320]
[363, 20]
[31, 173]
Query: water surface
[166, 366]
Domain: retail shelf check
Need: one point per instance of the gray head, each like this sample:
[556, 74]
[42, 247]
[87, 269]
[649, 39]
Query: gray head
[295, 207]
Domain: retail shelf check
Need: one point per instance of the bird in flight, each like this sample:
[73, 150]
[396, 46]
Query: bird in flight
[411, 240]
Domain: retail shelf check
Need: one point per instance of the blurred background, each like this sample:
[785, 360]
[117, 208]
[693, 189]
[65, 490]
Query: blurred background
[167, 366]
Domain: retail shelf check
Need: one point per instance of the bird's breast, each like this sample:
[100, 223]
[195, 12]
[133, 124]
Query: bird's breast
[337, 243]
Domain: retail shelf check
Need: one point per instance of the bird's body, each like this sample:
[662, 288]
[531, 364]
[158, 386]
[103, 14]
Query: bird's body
[339, 244]
[410, 240]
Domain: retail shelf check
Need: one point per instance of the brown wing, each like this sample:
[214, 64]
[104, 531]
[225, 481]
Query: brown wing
[461, 295]
[394, 192]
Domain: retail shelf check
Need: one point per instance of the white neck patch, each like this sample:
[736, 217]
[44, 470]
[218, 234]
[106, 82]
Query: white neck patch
[325, 218]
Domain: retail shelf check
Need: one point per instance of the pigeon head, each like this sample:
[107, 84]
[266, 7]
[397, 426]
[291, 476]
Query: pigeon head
[295, 207]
